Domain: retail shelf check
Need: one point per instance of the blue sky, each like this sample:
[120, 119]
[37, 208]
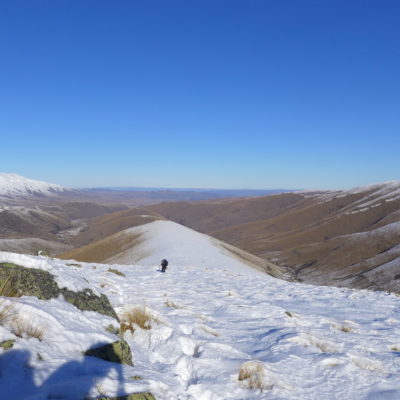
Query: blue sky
[223, 94]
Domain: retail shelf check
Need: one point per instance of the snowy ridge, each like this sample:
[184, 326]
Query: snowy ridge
[167, 239]
[375, 194]
[309, 342]
[17, 185]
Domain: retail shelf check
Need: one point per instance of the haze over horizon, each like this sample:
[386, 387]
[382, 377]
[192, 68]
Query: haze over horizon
[226, 94]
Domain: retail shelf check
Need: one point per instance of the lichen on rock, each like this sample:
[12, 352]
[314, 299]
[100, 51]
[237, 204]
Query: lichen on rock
[134, 396]
[35, 282]
[117, 352]
[7, 344]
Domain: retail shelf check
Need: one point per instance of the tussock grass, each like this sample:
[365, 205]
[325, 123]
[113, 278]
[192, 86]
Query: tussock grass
[171, 304]
[116, 272]
[289, 314]
[209, 330]
[74, 265]
[23, 328]
[252, 375]
[138, 316]
[344, 327]
[7, 309]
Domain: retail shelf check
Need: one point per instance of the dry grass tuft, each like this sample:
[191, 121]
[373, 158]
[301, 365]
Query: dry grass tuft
[289, 314]
[23, 328]
[171, 304]
[116, 272]
[74, 265]
[209, 330]
[344, 328]
[252, 374]
[137, 316]
[7, 310]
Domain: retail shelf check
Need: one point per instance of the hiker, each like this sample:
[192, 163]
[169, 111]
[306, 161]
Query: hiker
[164, 264]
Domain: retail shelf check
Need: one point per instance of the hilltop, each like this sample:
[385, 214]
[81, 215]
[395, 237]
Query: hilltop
[150, 242]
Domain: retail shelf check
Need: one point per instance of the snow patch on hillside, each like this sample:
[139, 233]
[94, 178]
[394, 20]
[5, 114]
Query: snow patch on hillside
[374, 194]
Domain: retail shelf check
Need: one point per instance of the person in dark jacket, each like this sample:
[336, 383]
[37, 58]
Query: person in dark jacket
[164, 264]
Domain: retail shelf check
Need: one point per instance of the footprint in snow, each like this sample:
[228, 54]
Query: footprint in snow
[189, 347]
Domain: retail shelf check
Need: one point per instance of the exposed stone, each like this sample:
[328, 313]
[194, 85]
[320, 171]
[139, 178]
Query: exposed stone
[86, 300]
[134, 396]
[29, 281]
[118, 352]
[114, 330]
[35, 282]
[136, 378]
[7, 344]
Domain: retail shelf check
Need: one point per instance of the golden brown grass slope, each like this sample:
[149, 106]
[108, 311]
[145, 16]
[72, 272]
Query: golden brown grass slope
[103, 250]
[106, 225]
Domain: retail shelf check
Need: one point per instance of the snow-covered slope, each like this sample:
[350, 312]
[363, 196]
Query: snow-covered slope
[149, 243]
[296, 341]
[373, 194]
[13, 185]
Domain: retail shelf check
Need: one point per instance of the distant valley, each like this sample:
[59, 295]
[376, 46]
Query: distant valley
[342, 238]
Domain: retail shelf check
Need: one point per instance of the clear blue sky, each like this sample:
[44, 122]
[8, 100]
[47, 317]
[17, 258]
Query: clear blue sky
[198, 93]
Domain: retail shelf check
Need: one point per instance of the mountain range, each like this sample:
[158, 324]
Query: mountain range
[343, 237]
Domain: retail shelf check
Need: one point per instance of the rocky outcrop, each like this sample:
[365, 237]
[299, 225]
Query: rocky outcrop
[117, 352]
[35, 282]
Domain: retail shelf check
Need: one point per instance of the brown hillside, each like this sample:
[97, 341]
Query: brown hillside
[326, 238]
[214, 215]
[102, 250]
[106, 225]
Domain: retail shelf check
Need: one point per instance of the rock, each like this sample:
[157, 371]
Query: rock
[134, 396]
[7, 344]
[86, 300]
[35, 282]
[29, 281]
[114, 330]
[118, 352]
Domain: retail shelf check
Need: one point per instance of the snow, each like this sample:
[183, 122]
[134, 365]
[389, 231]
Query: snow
[304, 342]
[167, 239]
[374, 195]
[17, 185]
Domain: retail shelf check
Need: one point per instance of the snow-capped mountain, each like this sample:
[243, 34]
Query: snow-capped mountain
[14, 185]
